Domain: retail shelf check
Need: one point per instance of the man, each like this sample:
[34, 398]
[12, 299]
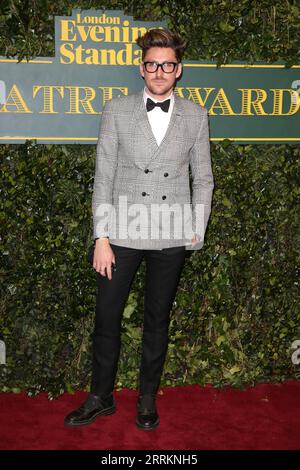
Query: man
[146, 143]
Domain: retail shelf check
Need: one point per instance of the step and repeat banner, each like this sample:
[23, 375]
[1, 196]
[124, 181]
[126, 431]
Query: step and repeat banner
[60, 99]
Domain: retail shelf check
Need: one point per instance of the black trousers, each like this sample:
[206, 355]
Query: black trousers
[163, 269]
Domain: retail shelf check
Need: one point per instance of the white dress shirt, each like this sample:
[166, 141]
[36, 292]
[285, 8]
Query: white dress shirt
[159, 119]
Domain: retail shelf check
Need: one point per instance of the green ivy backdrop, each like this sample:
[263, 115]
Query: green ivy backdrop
[236, 312]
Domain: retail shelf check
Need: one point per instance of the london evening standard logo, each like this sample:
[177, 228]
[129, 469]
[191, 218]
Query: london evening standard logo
[99, 38]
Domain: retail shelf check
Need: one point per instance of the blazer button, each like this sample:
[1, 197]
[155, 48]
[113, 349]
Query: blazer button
[166, 174]
[146, 171]
[164, 197]
[143, 193]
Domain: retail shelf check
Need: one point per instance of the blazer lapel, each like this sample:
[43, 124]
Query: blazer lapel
[143, 123]
[174, 121]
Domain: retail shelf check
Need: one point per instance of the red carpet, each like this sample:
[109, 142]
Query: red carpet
[192, 418]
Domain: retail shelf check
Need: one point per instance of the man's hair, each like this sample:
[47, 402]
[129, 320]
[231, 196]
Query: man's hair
[158, 37]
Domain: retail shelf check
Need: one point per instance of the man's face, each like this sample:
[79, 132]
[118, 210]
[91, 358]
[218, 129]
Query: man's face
[160, 83]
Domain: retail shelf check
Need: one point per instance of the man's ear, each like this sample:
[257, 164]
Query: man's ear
[142, 70]
[179, 70]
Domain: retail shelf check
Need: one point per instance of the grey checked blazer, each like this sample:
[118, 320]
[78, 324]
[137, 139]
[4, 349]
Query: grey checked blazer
[130, 163]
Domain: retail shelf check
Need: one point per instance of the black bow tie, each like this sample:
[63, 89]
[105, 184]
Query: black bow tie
[164, 105]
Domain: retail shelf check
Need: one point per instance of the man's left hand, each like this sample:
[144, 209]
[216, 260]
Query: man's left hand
[195, 240]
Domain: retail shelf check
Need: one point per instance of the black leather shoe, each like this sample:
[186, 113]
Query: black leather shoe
[93, 406]
[147, 417]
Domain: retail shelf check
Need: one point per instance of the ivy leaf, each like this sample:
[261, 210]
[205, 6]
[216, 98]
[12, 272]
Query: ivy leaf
[234, 370]
[225, 27]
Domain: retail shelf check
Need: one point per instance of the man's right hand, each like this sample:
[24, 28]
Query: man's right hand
[103, 257]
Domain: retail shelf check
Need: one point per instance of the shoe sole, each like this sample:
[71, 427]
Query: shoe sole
[144, 428]
[106, 412]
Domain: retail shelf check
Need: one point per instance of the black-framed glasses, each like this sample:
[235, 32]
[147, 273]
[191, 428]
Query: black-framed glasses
[167, 67]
